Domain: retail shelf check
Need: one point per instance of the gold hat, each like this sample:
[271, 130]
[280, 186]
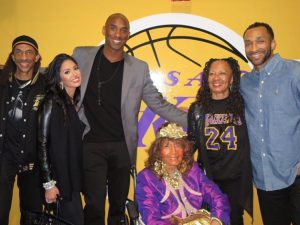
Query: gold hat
[172, 130]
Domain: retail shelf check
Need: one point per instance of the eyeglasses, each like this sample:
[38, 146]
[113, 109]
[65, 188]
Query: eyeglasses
[19, 52]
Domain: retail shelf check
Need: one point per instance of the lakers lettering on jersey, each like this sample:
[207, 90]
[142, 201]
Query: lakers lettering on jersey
[219, 131]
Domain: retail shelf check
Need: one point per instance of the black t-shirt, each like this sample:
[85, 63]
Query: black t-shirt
[225, 142]
[105, 119]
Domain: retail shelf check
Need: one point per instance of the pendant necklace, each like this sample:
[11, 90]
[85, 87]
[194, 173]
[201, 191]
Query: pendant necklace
[22, 85]
[100, 83]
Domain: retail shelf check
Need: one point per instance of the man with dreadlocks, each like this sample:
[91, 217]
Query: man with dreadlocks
[21, 89]
[217, 126]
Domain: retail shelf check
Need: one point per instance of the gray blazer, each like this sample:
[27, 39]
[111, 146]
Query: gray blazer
[137, 86]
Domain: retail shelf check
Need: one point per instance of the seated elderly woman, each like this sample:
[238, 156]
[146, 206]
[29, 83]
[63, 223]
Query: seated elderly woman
[172, 188]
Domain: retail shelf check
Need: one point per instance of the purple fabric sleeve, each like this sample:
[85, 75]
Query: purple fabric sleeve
[147, 195]
[217, 201]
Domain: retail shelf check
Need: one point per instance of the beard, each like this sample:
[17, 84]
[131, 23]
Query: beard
[266, 57]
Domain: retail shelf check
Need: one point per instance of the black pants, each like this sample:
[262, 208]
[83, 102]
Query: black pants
[30, 190]
[232, 189]
[281, 207]
[106, 171]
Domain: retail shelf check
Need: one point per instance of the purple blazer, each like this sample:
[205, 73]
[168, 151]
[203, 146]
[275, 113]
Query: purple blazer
[157, 202]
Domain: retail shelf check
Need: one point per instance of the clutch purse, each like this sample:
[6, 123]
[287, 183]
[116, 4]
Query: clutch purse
[201, 217]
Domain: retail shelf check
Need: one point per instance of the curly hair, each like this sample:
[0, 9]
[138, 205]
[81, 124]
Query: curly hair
[235, 103]
[154, 153]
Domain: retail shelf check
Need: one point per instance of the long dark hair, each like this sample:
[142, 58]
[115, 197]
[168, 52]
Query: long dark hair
[235, 103]
[53, 87]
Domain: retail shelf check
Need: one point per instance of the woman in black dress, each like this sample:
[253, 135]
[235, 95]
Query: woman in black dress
[59, 138]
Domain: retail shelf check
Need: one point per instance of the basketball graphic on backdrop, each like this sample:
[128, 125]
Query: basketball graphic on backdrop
[176, 47]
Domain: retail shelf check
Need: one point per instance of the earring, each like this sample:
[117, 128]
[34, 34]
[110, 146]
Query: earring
[159, 167]
[61, 85]
[183, 166]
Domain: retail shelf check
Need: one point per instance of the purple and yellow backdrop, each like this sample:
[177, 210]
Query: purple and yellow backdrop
[176, 38]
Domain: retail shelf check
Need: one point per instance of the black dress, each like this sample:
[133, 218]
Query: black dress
[60, 154]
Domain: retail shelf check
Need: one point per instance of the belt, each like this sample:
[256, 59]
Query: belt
[27, 167]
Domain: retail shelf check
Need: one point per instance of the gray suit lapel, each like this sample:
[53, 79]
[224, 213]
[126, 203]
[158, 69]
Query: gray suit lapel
[86, 61]
[85, 65]
[126, 78]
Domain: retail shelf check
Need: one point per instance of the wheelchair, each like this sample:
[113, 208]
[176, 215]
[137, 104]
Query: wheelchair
[132, 216]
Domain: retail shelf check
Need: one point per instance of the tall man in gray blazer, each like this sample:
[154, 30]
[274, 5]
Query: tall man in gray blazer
[113, 86]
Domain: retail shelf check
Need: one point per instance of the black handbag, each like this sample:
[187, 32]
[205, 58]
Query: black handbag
[49, 216]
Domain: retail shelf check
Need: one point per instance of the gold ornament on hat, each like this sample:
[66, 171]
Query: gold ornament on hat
[172, 130]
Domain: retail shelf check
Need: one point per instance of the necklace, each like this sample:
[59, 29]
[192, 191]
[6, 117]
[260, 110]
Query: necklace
[174, 180]
[101, 83]
[21, 86]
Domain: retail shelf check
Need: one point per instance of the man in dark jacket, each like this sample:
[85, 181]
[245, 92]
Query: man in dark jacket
[21, 90]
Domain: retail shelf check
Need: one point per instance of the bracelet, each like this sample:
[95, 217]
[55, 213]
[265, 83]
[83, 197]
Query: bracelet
[219, 221]
[49, 185]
